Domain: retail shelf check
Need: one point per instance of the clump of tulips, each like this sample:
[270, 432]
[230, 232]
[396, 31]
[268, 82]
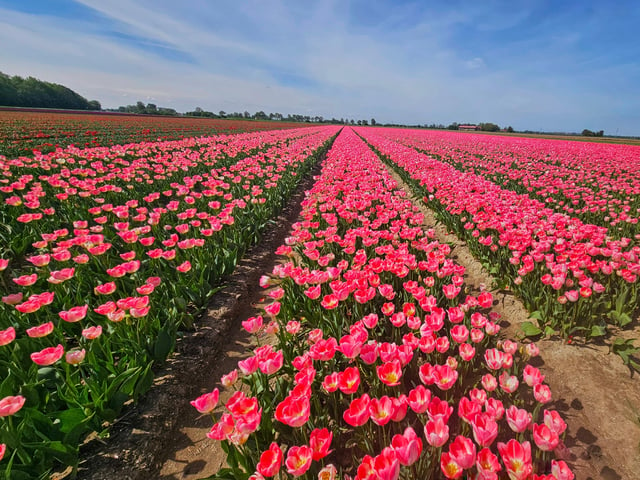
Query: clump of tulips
[104, 275]
[372, 360]
[572, 276]
[596, 182]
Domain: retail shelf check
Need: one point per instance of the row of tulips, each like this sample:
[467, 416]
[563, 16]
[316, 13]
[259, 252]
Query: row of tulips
[97, 302]
[571, 275]
[22, 132]
[373, 361]
[598, 183]
[37, 192]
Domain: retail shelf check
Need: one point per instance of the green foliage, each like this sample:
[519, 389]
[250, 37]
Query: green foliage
[30, 92]
[489, 127]
[588, 133]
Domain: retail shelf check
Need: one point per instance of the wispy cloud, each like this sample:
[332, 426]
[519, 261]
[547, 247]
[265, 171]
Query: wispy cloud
[532, 66]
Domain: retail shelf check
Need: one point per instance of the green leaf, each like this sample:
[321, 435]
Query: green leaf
[597, 331]
[624, 319]
[530, 330]
[145, 382]
[164, 344]
[620, 301]
[537, 315]
[548, 331]
[70, 418]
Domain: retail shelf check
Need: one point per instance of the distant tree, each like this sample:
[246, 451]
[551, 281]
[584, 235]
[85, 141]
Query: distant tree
[365, 122]
[489, 127]
[453, 126]
[94, 105]
[222, 114]
[260, 115]
[510, 129]
[30, 92]
[600, 133]
[151, 108]
[588, 133]
[167, 111]
[373, 122]
[247, 114]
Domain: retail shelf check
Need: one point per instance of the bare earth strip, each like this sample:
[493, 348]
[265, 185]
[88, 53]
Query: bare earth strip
[594, 391]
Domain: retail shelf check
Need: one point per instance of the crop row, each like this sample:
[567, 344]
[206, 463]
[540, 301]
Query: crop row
[598, 183]
[23, 132]
[37, 192]
[572, 275]
[139, 238]
[378, 362]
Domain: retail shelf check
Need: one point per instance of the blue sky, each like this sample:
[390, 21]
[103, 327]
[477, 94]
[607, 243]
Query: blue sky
[560, 66]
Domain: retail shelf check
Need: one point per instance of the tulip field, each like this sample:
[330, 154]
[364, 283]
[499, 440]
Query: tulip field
[374, 358]
[22, 132]
[106, 253]
[576, 277]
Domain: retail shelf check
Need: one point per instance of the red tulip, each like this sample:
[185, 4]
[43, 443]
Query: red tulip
[270, 461]
[320, 442]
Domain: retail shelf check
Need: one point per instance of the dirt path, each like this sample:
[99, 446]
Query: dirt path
[163, 436]
[594, 391]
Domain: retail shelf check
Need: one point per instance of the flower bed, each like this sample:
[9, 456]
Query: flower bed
[384, 365]
[116, 255]
[572, 275]
[598, 183]
[22, 132]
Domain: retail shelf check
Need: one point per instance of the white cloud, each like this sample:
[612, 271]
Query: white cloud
[292, 58]
[475, 63]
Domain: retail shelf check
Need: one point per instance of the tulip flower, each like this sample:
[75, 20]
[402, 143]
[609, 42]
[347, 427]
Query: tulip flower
[11, 405]
[270, 461]
[48, 356]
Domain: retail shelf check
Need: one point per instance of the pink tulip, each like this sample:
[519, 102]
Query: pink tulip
[485, 429]
[436, 432]
[450, 467]
[75, 357]
[11, 405]
[561, 471]
[207, 402]
[74, 314]
[7, 336]
[298, 460]
[270, 461]
[516, 457]
[358, 412]
[349, 380]
[41, 330]
[545, 438]
[48, 356]
[407, 446]
[320, 442]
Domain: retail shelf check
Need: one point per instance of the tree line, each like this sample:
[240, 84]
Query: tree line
[16, 91]
[277, 116]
